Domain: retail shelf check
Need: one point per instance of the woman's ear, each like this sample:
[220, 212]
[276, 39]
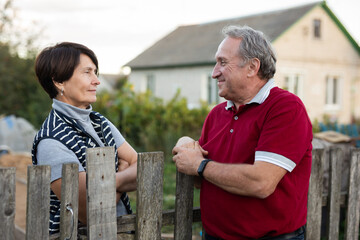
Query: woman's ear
[254, 66]
[59, 86]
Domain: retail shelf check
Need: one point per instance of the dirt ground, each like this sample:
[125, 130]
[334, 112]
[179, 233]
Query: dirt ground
[21, 162]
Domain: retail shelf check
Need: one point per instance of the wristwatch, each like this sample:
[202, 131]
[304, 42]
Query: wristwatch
[202, 167]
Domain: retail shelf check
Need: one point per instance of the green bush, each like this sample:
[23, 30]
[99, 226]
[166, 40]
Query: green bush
[21, 94]
[147, 122]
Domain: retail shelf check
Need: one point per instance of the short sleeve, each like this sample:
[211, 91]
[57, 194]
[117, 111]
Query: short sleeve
[118, 137]
[287, 131]
[53, 153]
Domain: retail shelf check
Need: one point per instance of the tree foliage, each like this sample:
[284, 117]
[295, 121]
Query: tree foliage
[147, 122]
[20, 93]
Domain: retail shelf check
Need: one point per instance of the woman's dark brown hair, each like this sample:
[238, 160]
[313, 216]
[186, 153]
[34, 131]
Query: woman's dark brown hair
[58, 63]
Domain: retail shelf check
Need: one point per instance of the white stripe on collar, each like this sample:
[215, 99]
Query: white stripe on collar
[260, 97]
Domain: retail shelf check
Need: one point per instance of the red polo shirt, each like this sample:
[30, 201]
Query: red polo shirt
[279, 131]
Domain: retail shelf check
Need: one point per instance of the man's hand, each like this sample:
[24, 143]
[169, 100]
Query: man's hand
[186, 142]
[187, 160]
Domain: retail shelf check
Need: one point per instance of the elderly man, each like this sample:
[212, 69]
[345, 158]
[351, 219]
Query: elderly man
[253, 158]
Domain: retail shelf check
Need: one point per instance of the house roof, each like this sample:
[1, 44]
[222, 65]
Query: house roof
[195, 45]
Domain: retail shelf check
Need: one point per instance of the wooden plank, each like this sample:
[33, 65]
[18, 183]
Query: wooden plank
[336, 155]
[70, 201]
[125, 236]
[127, 223]
[313, 226]
[7, 203]
[343, 198]
[38, 202]
[183, 206]
[101, 193]
[149, 201]
[55, 236]
[353, 206]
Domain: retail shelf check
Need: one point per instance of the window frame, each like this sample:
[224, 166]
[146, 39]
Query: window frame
[333, 86]
[317, 28]
[294, 83]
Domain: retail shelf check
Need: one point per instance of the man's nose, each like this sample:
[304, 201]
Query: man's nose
[216, 72]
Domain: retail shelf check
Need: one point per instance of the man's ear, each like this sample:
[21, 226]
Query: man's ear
[253, 67]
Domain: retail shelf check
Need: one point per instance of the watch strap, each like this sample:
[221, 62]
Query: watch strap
[202, 167]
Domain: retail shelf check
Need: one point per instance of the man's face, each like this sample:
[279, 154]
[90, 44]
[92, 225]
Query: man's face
[229, 70]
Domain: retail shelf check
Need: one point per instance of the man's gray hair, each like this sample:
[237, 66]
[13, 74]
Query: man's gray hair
[254, 44]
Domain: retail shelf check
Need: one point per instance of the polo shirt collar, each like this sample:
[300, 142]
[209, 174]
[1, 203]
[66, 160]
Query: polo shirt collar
[260, 97]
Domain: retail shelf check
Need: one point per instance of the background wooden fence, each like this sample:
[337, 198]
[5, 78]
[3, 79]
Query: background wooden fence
[102, 222]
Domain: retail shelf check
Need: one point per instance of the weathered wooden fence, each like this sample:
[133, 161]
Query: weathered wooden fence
[333, 198]
[102, 222]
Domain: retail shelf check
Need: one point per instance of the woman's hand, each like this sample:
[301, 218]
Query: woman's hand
[126, 176]
[123, 164]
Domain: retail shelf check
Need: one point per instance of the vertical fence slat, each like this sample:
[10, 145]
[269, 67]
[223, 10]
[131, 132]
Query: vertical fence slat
[184, 206]
[7, 203]
[353, 206]
[38, 202]
[101, 193]
[69, 198]
[313, 226]
[336, 156]
[149, 201]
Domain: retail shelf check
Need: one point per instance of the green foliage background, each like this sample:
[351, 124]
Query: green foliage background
[147, 122]
[20, 93]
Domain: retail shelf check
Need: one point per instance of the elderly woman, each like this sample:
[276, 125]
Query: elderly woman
[68, 72]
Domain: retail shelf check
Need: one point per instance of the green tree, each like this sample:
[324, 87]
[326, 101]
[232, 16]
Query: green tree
[20, 93]
[147, 122]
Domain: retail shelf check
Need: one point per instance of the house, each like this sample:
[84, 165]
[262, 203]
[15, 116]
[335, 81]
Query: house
[108, 82]
[317, 59]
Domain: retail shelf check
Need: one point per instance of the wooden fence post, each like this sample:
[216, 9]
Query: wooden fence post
[184, 206]
[69, 201]
[336, 155]
[313, 226]
[101, 193]
[353, 205]
[38, 202]
[149, 201]
[7, 203]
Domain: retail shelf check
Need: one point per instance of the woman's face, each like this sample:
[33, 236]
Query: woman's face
[80, 89]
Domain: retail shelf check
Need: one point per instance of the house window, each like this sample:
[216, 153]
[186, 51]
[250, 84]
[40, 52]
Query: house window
[150, 83]
[294, 83]
[317, 28]
[213, 95]
[332, 91]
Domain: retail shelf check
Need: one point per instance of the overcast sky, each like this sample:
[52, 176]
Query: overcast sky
[118, 30]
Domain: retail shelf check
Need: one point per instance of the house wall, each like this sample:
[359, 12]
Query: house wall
[192, 82]
[331, 55]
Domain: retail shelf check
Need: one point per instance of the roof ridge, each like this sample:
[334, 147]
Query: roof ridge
[259, 13]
